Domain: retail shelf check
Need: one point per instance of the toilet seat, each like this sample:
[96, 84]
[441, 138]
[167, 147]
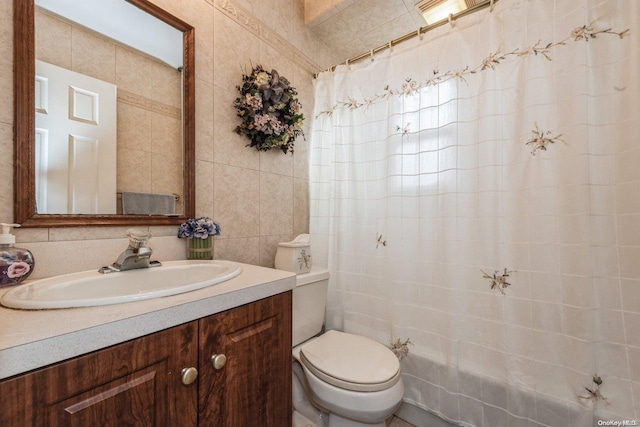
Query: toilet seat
[351, 362]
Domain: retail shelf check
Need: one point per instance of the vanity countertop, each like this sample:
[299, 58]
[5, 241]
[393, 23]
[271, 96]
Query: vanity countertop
[33, 339]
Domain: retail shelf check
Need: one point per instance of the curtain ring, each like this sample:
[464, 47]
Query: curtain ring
[419, 34]
[390, 45]
[451, 19]
[491, 6]
[371, 53]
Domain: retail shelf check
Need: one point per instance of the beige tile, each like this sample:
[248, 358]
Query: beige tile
[29, 235]
[204, 189]
[275, 161]
[164, 230]
[204, 120]
[6, 172]
[272, 59]
[297, 20]
[300, 206]
[134, 170]
[64, 257]
[166, 174]
[334, 29]
[6, 63]
[147, 77]
[6, 92]
[6, 31]
[278, 15]
[364, 15]
[201, 16]
[236, 51]
[313, 9]
[134, 127]
[303, 82]
[166, 136]
[251, 6]
[349, 50]
[53, 40]
[169, 247]
[377, 36]
[268, 247]
[343, 4]
[88, 233]
[228, 147]
[237, 195]
[93, 55]
[244, 250]
[301, 158]
[276, 204]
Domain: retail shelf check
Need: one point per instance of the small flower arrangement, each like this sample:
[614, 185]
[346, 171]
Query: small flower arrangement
[199, 228]
[270, 111]
[399, 348]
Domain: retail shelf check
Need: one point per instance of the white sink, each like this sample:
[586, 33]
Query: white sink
[90, 288]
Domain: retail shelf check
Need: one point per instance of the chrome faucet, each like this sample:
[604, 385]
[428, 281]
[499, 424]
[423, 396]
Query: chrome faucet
[137, 255]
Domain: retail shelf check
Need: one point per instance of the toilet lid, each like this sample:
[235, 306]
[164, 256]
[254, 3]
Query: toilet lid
[351, 362]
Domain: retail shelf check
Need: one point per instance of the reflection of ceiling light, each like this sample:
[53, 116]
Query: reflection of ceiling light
[436, 10]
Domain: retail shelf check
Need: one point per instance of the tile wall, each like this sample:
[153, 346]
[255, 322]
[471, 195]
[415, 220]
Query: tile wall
[259, 198]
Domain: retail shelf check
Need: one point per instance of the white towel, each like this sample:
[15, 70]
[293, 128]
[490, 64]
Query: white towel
[148, 203]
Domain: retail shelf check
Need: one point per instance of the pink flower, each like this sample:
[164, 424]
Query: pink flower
[254, 102]
[18, 269]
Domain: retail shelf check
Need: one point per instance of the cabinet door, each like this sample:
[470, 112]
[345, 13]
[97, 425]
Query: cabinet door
[137, 383]
[253, 388]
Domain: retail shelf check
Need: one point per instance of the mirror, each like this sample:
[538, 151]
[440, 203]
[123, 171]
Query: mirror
[133, 182]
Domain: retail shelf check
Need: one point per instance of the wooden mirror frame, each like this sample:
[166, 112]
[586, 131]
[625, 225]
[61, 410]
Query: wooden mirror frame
[24, 183]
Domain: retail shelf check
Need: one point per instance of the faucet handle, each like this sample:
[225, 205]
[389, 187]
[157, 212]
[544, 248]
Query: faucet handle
[138, 238]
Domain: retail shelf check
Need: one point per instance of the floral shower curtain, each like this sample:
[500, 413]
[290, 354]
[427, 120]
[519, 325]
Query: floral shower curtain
[476, 191]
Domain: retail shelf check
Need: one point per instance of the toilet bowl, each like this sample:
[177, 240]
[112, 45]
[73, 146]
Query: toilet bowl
[340, 379]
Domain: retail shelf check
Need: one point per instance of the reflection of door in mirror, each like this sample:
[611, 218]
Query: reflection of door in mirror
[75, 142]
[149, 105]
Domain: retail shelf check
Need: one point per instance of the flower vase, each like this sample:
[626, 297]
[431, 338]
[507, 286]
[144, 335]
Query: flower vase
[200, 248]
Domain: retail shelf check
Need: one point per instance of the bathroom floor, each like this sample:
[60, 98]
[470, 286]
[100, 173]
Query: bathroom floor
[397, 422]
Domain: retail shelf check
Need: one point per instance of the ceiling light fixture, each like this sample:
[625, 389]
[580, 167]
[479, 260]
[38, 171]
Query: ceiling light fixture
[436, 10]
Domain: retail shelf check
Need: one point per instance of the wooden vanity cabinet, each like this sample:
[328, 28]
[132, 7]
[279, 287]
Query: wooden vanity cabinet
[139, 382]
[136, 383]
[253, 388]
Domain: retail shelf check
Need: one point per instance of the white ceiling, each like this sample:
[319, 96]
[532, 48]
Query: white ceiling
[353, 27]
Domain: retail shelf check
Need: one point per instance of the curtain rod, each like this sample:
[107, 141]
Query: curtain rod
[411, 35]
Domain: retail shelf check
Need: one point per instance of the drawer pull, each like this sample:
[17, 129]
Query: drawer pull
[188, 375]
[218, 361]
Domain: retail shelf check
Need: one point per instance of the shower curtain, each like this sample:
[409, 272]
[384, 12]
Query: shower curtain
[475, 194]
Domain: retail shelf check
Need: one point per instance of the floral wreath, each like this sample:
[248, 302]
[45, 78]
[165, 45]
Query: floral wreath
[270, 111]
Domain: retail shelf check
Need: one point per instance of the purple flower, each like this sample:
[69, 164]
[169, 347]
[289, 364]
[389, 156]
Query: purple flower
[199, 228]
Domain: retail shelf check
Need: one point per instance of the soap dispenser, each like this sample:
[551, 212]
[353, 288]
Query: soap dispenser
[15, 264]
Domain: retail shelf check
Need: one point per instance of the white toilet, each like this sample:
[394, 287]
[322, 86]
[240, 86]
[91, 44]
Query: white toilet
[339, 379]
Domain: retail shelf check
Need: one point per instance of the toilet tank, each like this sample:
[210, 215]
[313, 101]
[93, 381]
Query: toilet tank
[309, 303]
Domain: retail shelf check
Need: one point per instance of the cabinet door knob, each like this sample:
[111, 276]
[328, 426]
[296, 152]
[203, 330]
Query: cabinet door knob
[188, 375]
[218, 360]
